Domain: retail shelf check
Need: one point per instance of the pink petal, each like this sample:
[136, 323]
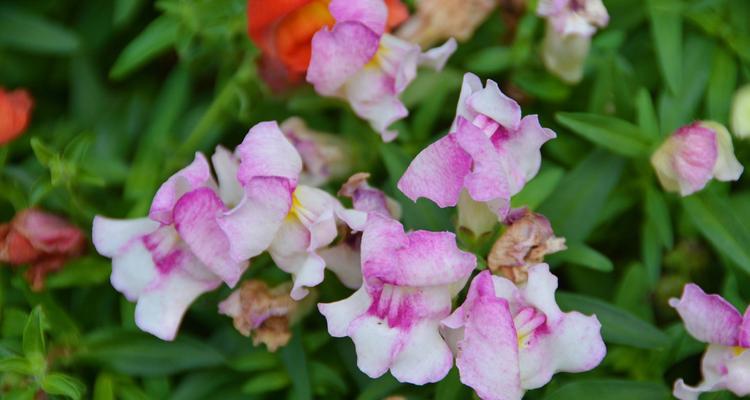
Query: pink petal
[488, 357]
[708, 318]
[743, 337]
[110, 236]
[290, 251]
[344, 261]
[492, 103]
[195, 216]
[341, 314]
[373, 96]
[424, 357]
[437, 173]
[370, 13]
[195, 175]
[266, 152]
[488, 179]
[338, 54]
[539, 292]
[522, 151]
[436, 57]
[252, 225]
[416, 259]
[738, 374]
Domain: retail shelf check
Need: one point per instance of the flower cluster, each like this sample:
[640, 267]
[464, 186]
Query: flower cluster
[712, 320]
[344, 50]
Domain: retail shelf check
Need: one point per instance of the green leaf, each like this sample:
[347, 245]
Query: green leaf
[17, 365]
[84, 271]
[139, 354]
[256, 361]
[64, 385]
[721, 85]
[490, 60]
[451, 388]
[295, 361]
[618, 325]
[666, 29]
[611, 133]
[651, 251]
[541, 85]
[104, 387]
[647, 118]
[583, 255]
[203, 385]
[125, 10]
[715, 218]
[610, 389]
[379, 388]
[575, 204]
[325, 377]
[658, 213]
[25, 31]
[33, 334]
[266, 382]
[538, 189]
[44, 154]
[156, 39]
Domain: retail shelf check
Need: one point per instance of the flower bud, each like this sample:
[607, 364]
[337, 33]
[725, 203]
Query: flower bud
[688, 159]
[565, 56]
[15, 109]
[528, 238]
[741, 112]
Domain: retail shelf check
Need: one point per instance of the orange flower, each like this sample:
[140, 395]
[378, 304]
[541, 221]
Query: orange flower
[283, 30]
[15, 108]
[42, 240]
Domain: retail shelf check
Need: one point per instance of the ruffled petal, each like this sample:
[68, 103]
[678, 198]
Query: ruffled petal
[685, 162]
[226, 166]
[373, 96]
[436, 57]
[195, 175]
[714, 368]
[437, 173]
[708, 318]
[252, 225]
[491, 102]
[522, 152]
[344, 261]
[539, 292]
[416, 259]
[743, 337]
[290, 251]
[376, 344]
[195, 217]
[339, 54]
[488, 179]
[266, 152]
[341, 314]
[738, 374]
[370, 13]
[727, 168]
[425, 357]
[111, 235]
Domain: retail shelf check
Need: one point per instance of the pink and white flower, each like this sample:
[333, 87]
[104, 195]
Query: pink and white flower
[357, 61]
[490, 152]
[694, 154]
[570, 25]
[166, 261]
[291, 221]
[343, 258]
[712, 320]
[324, 156]
[394, 318]
[509, 339]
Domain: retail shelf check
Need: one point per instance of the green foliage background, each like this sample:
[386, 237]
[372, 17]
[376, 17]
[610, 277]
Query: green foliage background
[126, 91]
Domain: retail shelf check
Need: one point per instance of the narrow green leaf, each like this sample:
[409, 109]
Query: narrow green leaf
[157, 38]
[714, 217]
[657, 212]
[33, 334]
[721, 85]
[84, 271]
[666, 29]
[611, 133]
[125, 10]
[610, 389]
[583, 255]
[15, 364]
[451, 388]
[256, 361]
[379, 388]
[574, 206]
[618, 325]
[539, 188]
[490, 60]
[25, 31]
[139, 354]
[295, 361]
[325, 378]
[44, 154]
[266, 382]
[104, 387]
[63, 385]
[651, 251]
[647, 118]
[203, 385]
[541, 85]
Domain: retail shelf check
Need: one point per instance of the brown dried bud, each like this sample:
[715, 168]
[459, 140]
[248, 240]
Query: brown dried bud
[261, 312]
[437, 20]
[525, 242]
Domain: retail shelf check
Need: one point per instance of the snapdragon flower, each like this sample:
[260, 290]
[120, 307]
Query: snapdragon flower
[324, 156]
[511, 338]
[291, 221]
[166, 261]
[712, 320]
[694, 154]
[490, 152]
[570, 25]
[393, 319]
[357, 61]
